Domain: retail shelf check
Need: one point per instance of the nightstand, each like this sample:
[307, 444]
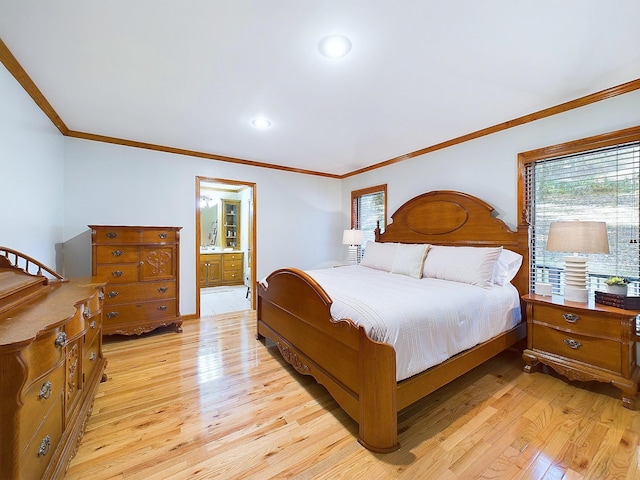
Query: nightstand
[583, 341]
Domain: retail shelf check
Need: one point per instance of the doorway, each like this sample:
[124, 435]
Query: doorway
[225, 243]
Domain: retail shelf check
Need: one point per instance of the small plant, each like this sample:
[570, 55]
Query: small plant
[616, 281]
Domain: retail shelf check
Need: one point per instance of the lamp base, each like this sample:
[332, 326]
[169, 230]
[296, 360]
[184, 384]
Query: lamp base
[576, 294]
[575, 279]
[353, 254]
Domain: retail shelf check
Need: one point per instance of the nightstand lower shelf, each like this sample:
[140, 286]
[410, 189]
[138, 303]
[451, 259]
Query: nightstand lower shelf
[585, 373]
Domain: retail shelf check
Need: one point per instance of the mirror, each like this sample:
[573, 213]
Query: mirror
[220, 217]
[209, 218]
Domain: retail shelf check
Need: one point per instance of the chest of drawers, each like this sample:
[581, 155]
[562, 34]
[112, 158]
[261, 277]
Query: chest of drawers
[51, 365]
[583, 342]
[218, 269]
[141, 267]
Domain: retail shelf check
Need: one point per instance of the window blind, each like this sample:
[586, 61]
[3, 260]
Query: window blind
[598, 185]
[368, 211]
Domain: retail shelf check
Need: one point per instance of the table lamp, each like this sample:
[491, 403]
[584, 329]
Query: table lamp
[577, 237]
[353, 238]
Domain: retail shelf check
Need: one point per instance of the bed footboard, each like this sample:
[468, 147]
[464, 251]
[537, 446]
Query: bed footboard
[358, 372]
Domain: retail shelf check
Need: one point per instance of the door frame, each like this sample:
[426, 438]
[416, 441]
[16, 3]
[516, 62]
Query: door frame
[251, 248]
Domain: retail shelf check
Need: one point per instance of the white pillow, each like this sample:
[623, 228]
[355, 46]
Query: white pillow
[379, 255]
[409, 259]
[506, 267]
[473, 265]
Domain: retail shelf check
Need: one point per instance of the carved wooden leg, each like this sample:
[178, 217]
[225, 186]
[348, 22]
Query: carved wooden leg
[531, 361]
[179, 327]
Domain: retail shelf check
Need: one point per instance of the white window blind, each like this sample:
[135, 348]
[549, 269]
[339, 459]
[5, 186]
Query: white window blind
[598, 185]
[368, 210]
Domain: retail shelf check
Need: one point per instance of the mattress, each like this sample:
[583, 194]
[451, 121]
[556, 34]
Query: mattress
[426, 320]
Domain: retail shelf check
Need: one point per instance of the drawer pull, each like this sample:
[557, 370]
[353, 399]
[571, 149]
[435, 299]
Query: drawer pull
[570, 317]
[101, 295]
[86, 313]
[162, 308]
[163, 289]
[112, 294]
[571, 343]
[92, 357]
[162, 235]
[45, 445]
[117, 253]
[111, 234]
[61, 340]
[117, 273]
[93, 325]
[112, 314]
[45, 391]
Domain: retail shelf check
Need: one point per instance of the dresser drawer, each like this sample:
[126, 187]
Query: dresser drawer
[232, 257]
[38, 400]
[117, 254]
[113, 235]
[118, 273]
[75, 326]
[584, 322]
[93, 324]
[44, 354]
[595, 351]
[138, 292]
[158, 236]
[118, 314]
[38, 452]
[91, 355]
[232, 276]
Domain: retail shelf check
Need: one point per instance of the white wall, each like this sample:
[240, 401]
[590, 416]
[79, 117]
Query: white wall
[31, 166]
[298, 216]
[487, 167]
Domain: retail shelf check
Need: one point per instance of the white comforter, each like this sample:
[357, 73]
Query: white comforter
[427, 320]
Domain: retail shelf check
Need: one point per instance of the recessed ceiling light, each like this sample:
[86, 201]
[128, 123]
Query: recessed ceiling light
[260, 122]
[334, 46]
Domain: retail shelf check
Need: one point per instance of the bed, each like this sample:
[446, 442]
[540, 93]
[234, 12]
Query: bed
[294, 311]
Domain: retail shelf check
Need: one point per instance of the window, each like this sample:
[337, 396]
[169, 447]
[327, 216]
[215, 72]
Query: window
[595, 179]
[368, 207]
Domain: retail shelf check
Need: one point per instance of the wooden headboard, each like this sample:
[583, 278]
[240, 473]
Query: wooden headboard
[445, 217]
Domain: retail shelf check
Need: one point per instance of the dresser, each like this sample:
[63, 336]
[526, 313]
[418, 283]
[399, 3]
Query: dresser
[218, 269]
[51, 365]
[140, 265]
[583, 342]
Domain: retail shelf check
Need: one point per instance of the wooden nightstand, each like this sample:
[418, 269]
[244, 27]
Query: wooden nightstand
[583, 341]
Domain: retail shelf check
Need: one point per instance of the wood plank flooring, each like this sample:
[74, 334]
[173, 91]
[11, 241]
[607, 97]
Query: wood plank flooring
[212, 402]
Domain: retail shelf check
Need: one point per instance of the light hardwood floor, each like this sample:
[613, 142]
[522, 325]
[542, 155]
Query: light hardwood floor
[212, 402]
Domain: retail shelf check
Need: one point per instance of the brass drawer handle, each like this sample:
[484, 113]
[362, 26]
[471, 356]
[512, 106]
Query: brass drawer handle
[117, 273]
[93, 325]
[112, 314]
[117, 253]
[92, 356]
[571, 343]
[162, 235]
[162, 308]
[61, 340]
[45, 391]
[570, 317]
[111, 234]
[112, 294]
[163, 289]
[86, 312]
[101, 295]
[45, 445]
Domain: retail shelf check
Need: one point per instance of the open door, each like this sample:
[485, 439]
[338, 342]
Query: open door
[225, 235]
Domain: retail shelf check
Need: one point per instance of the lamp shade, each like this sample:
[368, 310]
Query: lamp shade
[578, 237]
[352, 237]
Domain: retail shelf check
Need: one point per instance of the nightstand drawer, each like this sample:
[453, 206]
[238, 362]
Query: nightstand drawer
[578, 321]
[594, 351]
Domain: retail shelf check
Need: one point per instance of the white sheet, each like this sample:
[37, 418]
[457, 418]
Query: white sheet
[426, 320]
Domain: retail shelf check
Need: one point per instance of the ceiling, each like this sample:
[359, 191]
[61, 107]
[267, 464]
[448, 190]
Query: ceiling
[192, 74]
